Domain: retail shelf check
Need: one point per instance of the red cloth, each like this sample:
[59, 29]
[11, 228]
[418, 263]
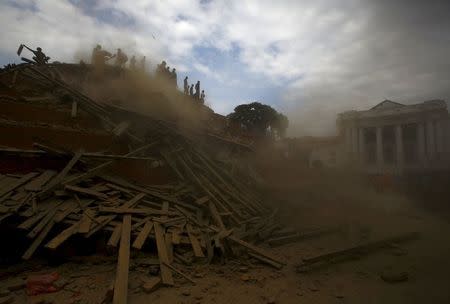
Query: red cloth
[43, 283]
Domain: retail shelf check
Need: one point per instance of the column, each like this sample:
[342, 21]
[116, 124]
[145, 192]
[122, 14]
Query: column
[421, 155]
[399, 146]
[379, 134]
[362, 151]
[439, 137]
[431, 145]
[355, 143]
[348, 140]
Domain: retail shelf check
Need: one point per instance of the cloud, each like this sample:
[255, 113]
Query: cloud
[328, 56]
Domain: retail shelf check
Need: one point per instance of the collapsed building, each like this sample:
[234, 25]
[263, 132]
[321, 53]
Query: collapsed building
[74, 168]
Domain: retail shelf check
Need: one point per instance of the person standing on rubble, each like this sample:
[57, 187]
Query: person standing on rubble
[173, 77]
[202, 97]
[39, 57]
[133, 63]
[167, 73]
[161, 69]
[191, 90]
[142, 64]
[98, 60]
[121, 58]
[186, 86]
[197, 90]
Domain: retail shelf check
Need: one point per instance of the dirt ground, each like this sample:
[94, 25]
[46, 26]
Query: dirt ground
[313, 200]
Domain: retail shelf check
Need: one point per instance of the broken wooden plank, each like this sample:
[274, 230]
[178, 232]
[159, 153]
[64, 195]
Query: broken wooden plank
[169, 246]
[266, 260]
[48, 218]
[180, 273]
[216, 216]
[17, 183]
[202, 200]
[109, 218]
[255, 249]
[151, 284]
[56, 181]
[142, 236]
[166, 273]
[297, 236]
[366, 248]
[37, 241]
[115, 236]
[194, 241]
[37, 183]
[176, 236]
[121, 128]
[31, 221]
[99, 168]
[86, 221]
[73, 112]
[121, 210]
[86, 192]
[123, 262]
[63, 236]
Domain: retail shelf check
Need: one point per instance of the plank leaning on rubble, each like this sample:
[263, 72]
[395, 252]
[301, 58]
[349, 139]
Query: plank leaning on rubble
[56, 181]
[108, 219]
[103, 166]
[123, 263]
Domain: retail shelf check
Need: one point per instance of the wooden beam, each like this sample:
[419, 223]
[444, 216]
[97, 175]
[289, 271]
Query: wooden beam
[115, 236]
[194, 241]
[123, 263]
[103, 166]
[166, 274]
[56, 181]
[215, 215]
[142, 236]
[17, 183]
[255, 249]
[86, 220]
[37, 183]
[86, 192]
[37, 241]
[74, 111]
[63, 236]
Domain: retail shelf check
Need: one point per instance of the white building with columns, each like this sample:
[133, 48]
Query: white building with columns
[397, 138]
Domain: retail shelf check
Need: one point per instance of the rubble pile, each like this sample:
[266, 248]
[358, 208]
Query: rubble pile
[208, 210]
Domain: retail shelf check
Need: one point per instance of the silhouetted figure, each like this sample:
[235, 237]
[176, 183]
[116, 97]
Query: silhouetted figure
[173, 77]
[133, 63]
[98, 60]
[121, 58]
[191, 90]
[186, 86]
[197, 90]
[161, 69]
[39, 56]
[142, 64]
[202, 97]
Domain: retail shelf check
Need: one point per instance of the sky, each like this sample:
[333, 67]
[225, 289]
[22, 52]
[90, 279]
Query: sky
[308, 59]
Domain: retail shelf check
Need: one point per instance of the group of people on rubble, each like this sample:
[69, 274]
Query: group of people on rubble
[100, 57]
[163, 71]
[189, 90]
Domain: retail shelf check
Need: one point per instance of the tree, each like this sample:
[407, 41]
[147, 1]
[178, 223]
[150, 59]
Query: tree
[257, 117]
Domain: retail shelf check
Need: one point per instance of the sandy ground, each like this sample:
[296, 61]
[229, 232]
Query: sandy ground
[366, 214]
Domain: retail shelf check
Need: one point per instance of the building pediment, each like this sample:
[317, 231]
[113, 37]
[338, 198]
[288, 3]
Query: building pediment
[387, 104]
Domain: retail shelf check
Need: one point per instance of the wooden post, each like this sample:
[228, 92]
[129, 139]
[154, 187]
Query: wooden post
[123, 262]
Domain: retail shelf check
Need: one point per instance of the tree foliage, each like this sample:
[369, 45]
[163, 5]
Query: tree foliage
[260, 119]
